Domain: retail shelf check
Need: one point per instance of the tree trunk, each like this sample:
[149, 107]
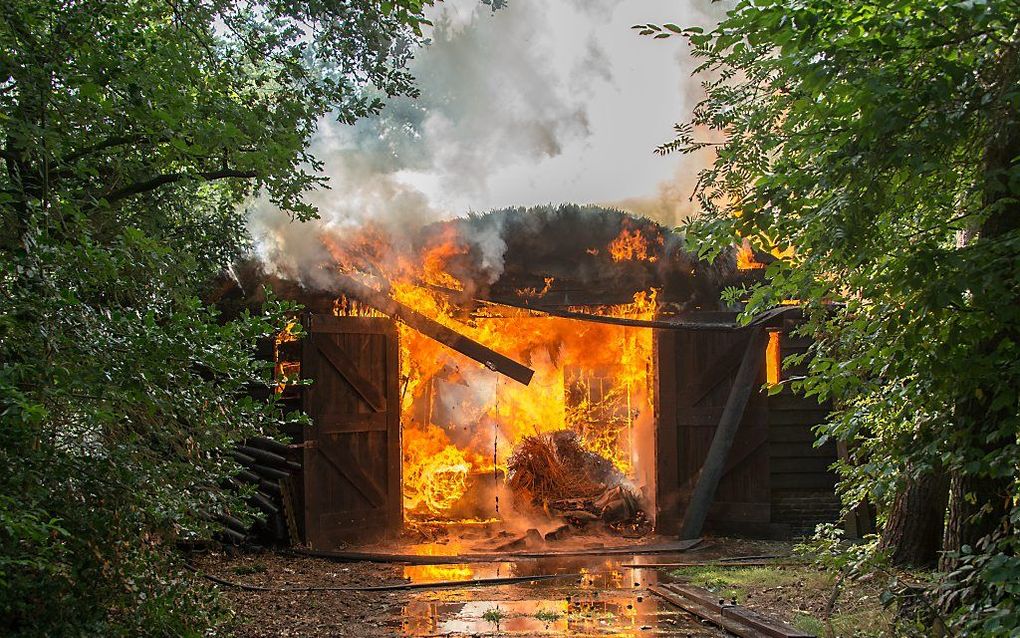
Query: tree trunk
[979, 503]
[913, 532]
[972, 517]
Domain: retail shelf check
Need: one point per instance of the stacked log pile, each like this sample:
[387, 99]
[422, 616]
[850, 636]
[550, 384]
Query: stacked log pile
[267, 468]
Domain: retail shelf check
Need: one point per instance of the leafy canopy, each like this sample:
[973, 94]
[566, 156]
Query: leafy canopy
[879, 139]
[132, 133]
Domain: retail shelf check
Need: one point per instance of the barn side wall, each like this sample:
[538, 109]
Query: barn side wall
[802, 485]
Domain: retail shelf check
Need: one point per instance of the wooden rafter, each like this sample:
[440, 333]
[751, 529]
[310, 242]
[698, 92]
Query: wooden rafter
[435, 330]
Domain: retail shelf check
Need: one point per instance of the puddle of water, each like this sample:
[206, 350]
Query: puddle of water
[424, 618]
[605, 600]
[468, 571]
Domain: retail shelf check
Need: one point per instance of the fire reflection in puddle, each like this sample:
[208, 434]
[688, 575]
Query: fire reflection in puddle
[437, 573]
[605, 600]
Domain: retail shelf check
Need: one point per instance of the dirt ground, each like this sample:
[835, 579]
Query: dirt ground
[596, 595]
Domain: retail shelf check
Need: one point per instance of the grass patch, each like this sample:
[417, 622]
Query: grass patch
[858, 612]
[808, 624]
[735, 582]
[546, 616]
[865, 622]
[870, 622]
[751, 576]
[494, 616]
[253, 568]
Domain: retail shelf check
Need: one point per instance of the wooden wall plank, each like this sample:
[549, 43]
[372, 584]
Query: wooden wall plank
[801, 465]
[791, 434]
[721, 369]
[779, 449]
[349, 371]
[804, 419]
[816, 481]
[787, 400]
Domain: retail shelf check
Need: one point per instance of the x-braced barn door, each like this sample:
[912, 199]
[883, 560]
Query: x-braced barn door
[352, 448]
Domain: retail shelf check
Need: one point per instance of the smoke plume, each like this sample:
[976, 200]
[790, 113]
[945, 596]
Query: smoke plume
[534, 103]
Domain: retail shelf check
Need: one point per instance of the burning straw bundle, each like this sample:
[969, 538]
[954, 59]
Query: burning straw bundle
[554, 467]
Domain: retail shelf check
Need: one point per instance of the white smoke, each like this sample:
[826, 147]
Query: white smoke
[538, 102]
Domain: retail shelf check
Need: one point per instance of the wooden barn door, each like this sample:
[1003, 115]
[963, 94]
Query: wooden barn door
[703, 365]
[352, 448]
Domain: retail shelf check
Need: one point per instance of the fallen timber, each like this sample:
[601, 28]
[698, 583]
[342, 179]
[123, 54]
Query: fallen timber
[621, 550]
[735, 619]
[758, 560]
[417, 559]
[266, 468]
[435, 330]
[263, 503]
[268, 458]
[269, 445]
[267, 487]
[269, 473]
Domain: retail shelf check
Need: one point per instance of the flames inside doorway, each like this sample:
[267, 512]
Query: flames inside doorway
[468, 432]
[463, 424]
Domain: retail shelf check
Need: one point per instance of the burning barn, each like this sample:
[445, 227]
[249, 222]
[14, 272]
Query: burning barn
[560, 366]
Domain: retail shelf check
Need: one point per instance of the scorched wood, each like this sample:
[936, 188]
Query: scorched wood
[435, 330]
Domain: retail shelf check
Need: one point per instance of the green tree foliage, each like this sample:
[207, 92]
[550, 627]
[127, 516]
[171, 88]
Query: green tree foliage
[132, 132]
[881, 140]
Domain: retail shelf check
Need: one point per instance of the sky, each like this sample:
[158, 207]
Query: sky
[539, 102]
[553, 102]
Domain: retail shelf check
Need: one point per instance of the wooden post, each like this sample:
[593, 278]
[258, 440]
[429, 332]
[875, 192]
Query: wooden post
[667, 449]
[861, 520]
[725, 433]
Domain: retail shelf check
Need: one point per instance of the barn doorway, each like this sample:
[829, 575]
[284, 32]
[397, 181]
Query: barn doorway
[406, 431]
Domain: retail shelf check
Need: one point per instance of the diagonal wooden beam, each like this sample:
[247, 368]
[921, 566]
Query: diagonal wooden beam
[435, 330]
[343, 364]
[756, 438]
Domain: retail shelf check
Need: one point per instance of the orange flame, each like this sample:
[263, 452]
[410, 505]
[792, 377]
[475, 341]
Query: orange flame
[629, 245]
[773, 359]
[344, 306]
[746, 259]
[437, 258]
[534, 292]
[462, 420]
[284, 371]
[433, 480]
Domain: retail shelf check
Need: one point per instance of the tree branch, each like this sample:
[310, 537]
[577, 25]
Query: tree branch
[162, 180]
[118, 140]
